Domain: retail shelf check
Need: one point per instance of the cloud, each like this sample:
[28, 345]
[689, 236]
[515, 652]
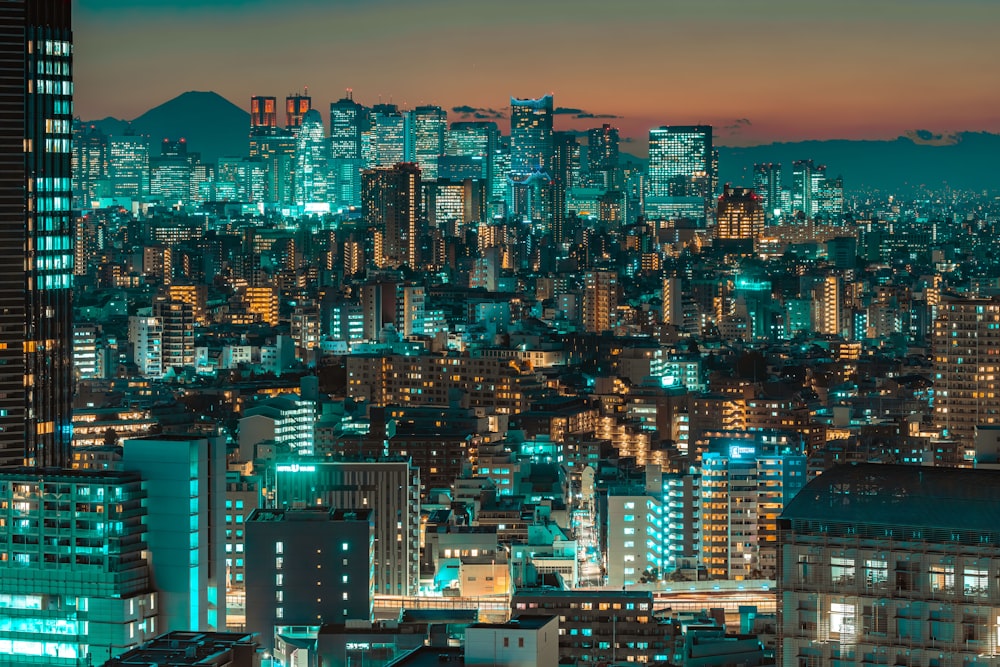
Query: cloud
[928, 138]
[738, 124]
[482, 113]
[586, 114]
[567, 111]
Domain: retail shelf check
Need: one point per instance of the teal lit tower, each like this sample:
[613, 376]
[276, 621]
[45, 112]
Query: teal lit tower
[349, 121]
[36, 232]
[681, 176]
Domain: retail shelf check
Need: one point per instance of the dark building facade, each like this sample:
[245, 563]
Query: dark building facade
[308, 567]
[36, 232]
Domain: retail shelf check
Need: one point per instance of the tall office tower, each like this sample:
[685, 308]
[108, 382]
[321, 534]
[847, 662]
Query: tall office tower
[277, 152]
[349, 121]
[828, 306]
[966, 346]
[390, 487]
[391, 140]
[747, 478]
[296, 107]
[308, 567]
[530, 134]
[600, 301]
[185, 479]
[128, 166]
[170, 173]
[311, 150]
[603, 157]
[767, 184]
[565, 175]
[681, 172]
[806, 180]
[90, 165]
[74, 582]
[740, 215]
[829, 199]
[891, 564]
[476, 140]
[430, 124]
[36, 233]
[500, 202]
[263, 115]
[391, 204]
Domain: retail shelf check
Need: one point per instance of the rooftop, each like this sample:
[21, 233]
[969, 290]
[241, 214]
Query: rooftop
[945, 498]
[522, 622]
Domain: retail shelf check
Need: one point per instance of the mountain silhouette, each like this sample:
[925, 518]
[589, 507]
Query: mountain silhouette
[211, 124]
[921, 159]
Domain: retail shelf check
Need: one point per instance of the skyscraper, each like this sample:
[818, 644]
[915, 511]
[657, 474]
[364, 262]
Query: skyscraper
[681, 171]
[391, 205]
[263, 115]
[36, 232]
[391, 129]
[530, 134]
[966, 350]
[767, 184]
[603, 156]
[430, 124]
[311, 160]
[296, 107]
[349, 121]
[128, 165]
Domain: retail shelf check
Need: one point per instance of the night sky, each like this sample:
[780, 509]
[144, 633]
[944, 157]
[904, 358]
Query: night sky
[758, 70]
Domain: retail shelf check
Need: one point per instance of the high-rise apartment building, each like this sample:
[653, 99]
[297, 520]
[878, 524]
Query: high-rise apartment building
[747, 478]
[600, 301]
[391, 205]
[74, 580]
[965, 343]
[177, 319]
[681, 172]
[36, 232]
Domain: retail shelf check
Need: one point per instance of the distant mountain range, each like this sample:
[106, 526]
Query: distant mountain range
[216, 127]
[964, 161]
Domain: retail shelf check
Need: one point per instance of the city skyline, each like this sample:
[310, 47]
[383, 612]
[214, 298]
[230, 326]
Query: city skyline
[908, 66]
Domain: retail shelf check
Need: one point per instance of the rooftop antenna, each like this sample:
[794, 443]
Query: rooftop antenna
[350, 94]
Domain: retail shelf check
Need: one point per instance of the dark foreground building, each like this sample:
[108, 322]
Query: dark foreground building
[891, 565]
[36, 232]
